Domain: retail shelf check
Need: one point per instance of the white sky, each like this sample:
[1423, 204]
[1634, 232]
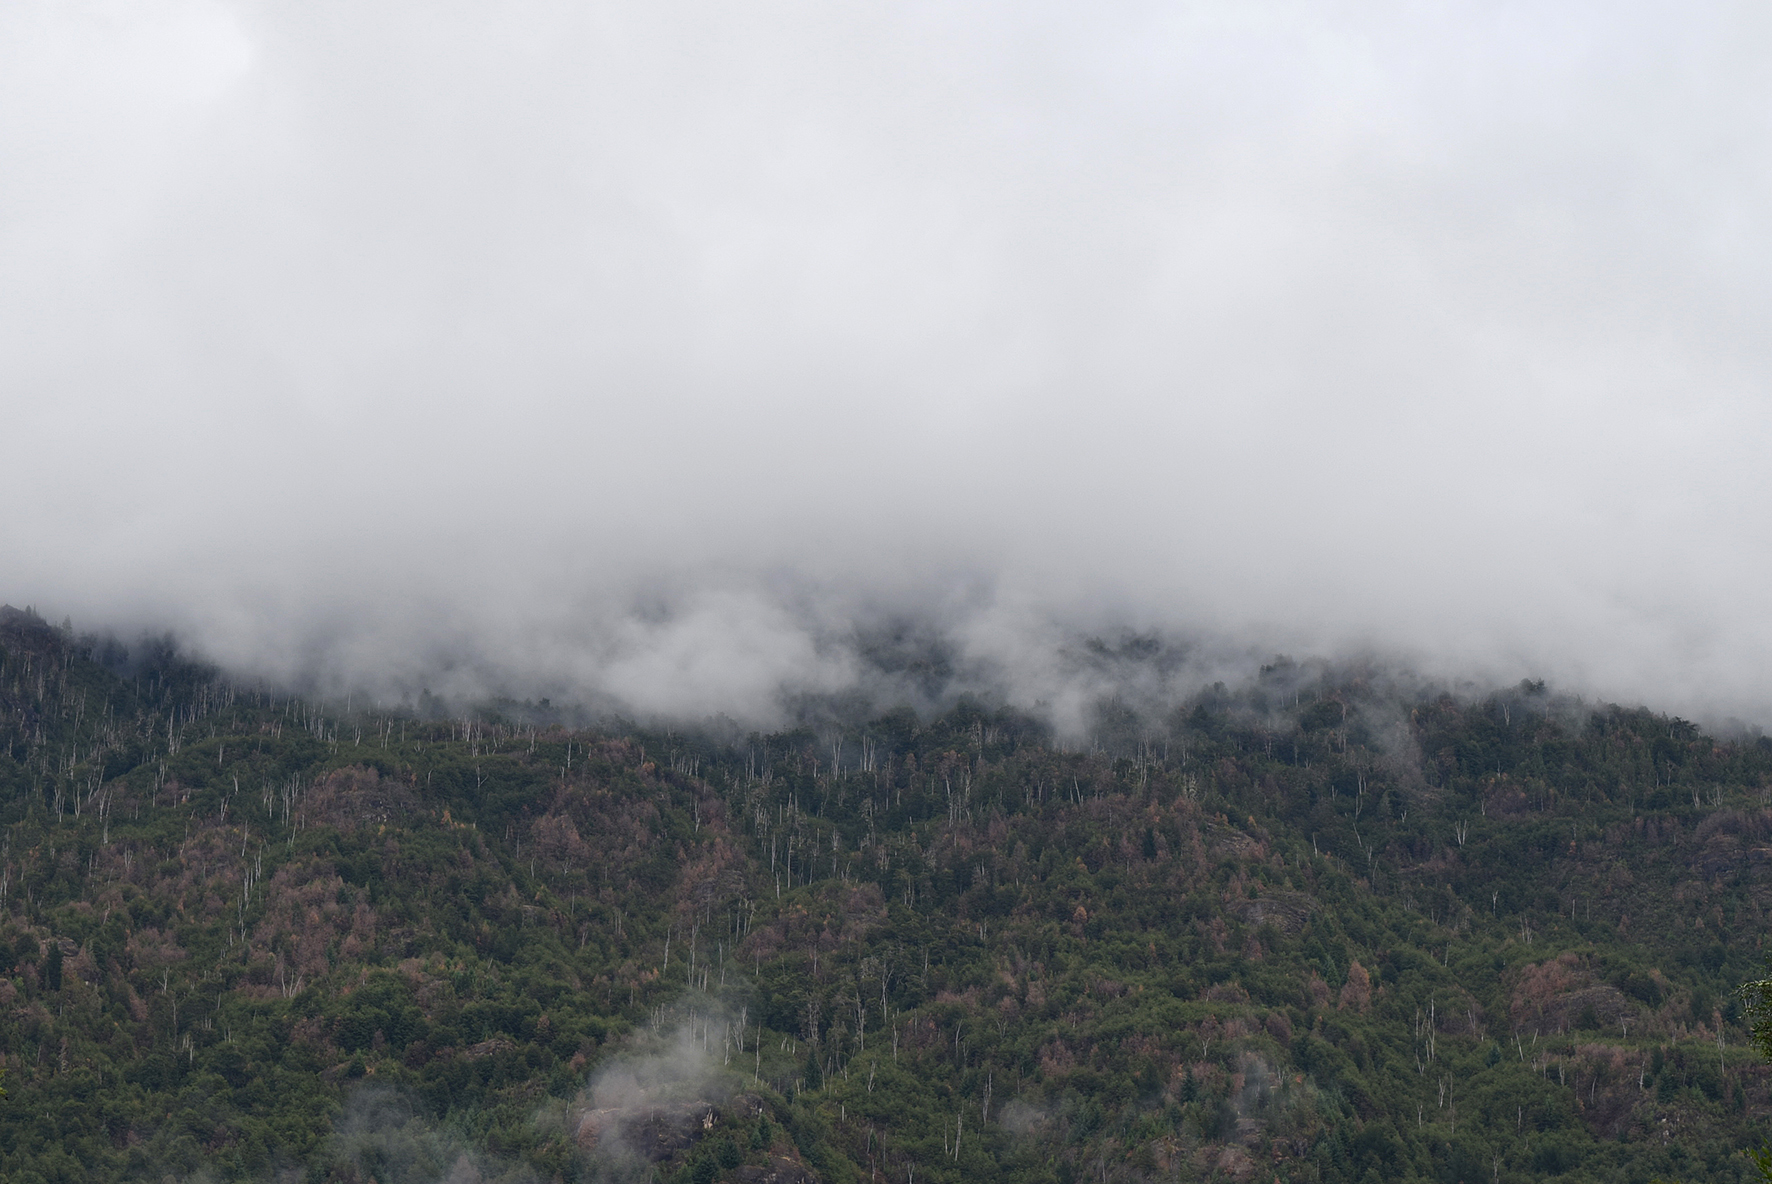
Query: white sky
[640, 349]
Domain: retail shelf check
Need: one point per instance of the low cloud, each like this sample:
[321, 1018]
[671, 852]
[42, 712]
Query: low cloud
[383, 1135]
[660, 356]
[661, 1096]
[1019, 1117]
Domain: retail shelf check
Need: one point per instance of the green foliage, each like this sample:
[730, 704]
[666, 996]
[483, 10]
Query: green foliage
[1314, 928]
[1757, 994]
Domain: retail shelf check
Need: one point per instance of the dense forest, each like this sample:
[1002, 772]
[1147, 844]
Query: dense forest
[1315, 928]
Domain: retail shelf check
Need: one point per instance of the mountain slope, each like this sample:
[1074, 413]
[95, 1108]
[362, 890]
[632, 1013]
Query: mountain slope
[1315, 929]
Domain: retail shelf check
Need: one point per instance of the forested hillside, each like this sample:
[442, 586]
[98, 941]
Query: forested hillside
[1313, 929]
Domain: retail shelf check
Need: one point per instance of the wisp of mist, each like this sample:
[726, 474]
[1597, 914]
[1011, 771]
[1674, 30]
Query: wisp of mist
[662, 355]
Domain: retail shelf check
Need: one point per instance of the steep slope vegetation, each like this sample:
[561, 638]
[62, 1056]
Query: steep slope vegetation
[1312, 930]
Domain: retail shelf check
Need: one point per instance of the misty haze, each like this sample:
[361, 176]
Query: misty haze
[800, 594]
[645, 351]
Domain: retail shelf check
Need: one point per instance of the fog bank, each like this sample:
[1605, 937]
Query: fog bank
[664, 355]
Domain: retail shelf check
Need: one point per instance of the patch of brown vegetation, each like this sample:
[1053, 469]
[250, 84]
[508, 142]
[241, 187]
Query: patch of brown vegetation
[1356, 993]
[1551, 996]
[1287, 912]
[356, 797]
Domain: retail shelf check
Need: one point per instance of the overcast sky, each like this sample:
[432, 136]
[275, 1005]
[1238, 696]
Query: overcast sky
[641, 349]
